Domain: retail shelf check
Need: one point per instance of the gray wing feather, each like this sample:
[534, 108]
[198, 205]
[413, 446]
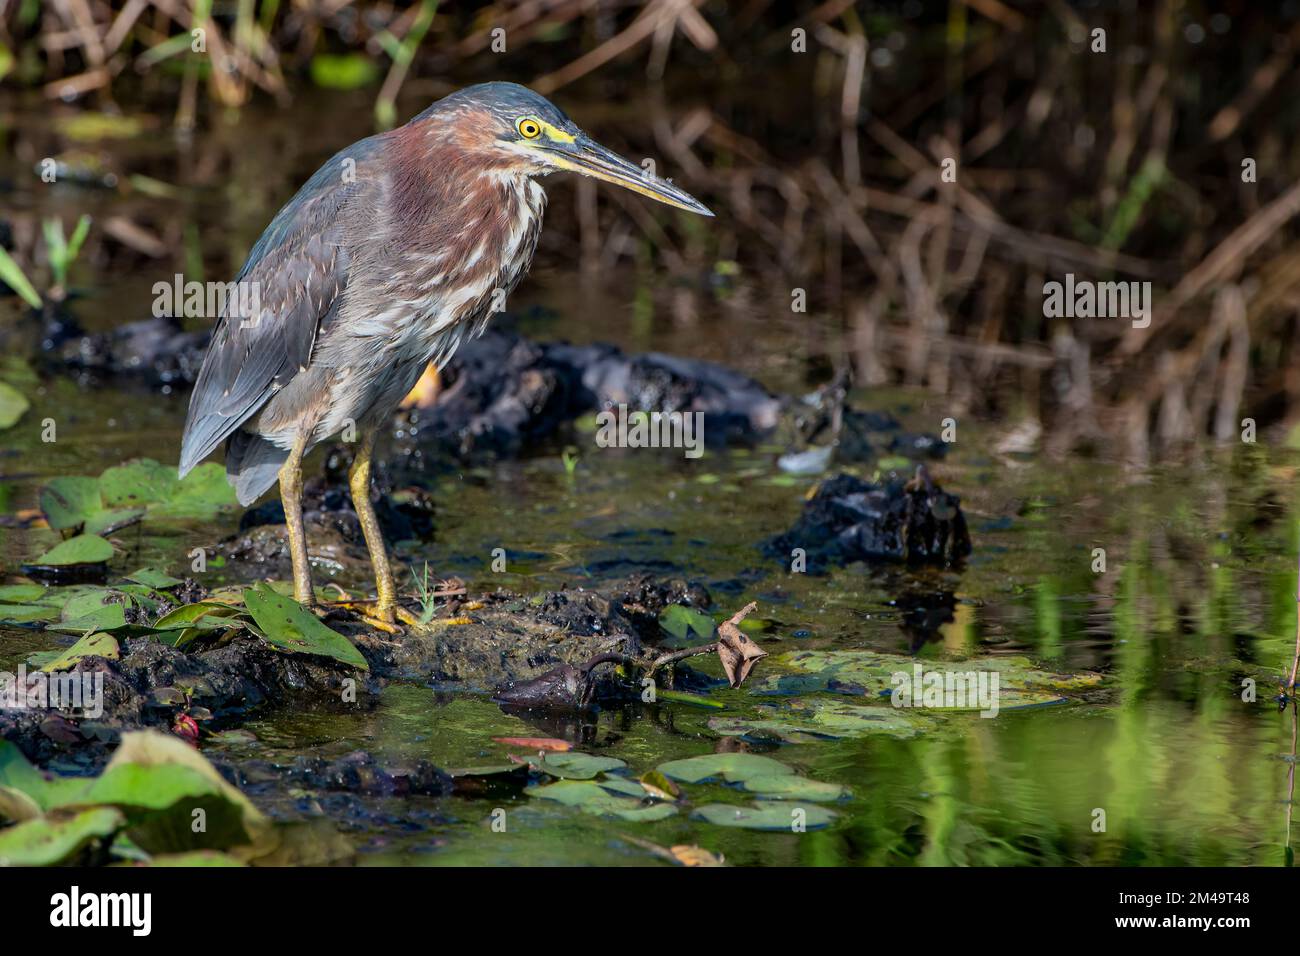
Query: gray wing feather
[300, 267]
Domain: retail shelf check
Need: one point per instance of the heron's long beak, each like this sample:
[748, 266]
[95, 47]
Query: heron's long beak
[589, 158]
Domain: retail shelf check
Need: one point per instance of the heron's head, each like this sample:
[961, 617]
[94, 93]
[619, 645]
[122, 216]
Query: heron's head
[515, 127]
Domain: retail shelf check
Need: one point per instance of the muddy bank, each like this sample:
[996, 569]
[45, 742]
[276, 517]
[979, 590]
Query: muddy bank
[494, 641]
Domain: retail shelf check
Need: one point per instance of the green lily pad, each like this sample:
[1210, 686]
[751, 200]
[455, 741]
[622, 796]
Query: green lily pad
[605, 798]
[681, 621]
[287, 626]
[36, 791]
[788, 786]
[869, 673]
[23, 593]
[95, 609]
[47, 841]
[808, 720]
[126, 492]
[773, 817]
[74, 502]
[13, 405]
[159, 781]
[28, 613]
[153, 578]
[572, 765]
[92, 645]
[731, 767]
[83, 549]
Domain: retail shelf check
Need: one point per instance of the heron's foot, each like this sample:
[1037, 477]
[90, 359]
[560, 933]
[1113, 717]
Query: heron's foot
[388, 619]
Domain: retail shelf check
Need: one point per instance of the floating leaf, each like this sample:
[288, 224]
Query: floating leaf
[605, 798]
[160, 780]
[39, 790]
[92, 645]
[808, 720]
[288, 626]
[773, 817]
[46, 841]
[23, 593]
[96, 609]
[83, 549]
[871, 674]
[573, 765]
[732, 767]
[788, 786]
[28, 613]
[153, 578]
[74, 502]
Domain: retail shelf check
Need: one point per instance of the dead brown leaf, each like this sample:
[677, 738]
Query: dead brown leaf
[736, 651]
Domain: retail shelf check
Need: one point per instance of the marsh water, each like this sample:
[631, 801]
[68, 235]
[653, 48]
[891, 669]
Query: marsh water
[1197, 596]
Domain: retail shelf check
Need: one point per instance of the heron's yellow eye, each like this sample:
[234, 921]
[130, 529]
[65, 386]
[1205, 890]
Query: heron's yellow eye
[529, 128]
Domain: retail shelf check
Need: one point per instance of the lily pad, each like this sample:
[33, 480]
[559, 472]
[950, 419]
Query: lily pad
[160, 781]
[808, 720]
[28, 613]
[126, 492]
[572, 765]
[731, 767]
[24, 593]
[82, 549]
[868, 673]
[27, 792]
[287, 626]
[607, 798]
[74, 502]
[92, 645]
[788, 786]
[97, 609]
[153, 578]
[46, 841]
[773, 817]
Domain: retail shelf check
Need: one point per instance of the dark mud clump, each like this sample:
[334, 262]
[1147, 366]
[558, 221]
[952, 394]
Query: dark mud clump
[157, 352]
[503, 391]
[849, 519]
[498, 639]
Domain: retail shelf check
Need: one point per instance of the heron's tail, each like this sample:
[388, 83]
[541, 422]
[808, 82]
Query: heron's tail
[252, 465]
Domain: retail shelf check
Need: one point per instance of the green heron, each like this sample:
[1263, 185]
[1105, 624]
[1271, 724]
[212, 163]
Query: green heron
[395, 251]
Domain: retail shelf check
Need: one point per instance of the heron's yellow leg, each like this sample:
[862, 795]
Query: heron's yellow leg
[291, 497]
[359, 483]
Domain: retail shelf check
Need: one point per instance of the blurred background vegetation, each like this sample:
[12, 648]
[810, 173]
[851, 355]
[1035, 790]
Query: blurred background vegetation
[816, 130]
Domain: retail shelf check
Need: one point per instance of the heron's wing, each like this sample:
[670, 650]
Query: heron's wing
[300, 270]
